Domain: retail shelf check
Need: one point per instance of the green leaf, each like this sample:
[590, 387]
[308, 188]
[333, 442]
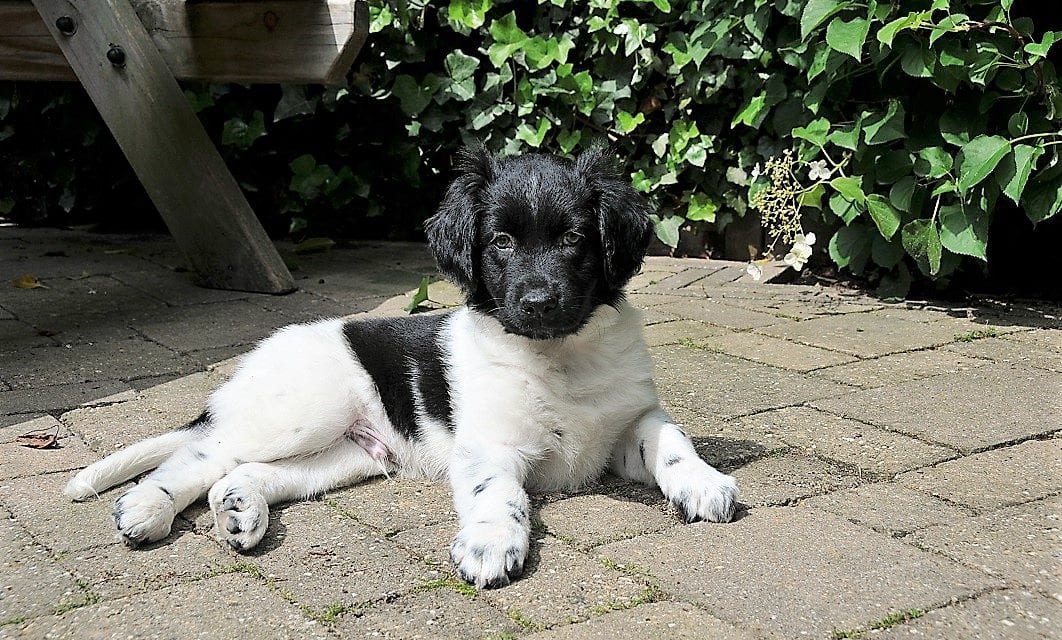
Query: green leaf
[812, 197]
[240, 133]
[940, 161]
[569, 139]
[816, 12]
[901, 195]
[750, 113]
[1041, 48]
[964, 230]
[886, 127]
[533, 136]
[667, 229]
[886, 253]
[468, 13]
[885, 216]
[979, 158]
[1014, 170]
[505, 31]
[459, 66]
[850, 187]
[314, 245]
[419, 297]
[412, 96]
[917, 61]
[850, 247]
[844, 209]
[701, 208]
[1043, 198]
[922, 241]
[1018, 124]
[894, 286]
[303, 165]
[628, 122]
[848, 137]
[815, 131]
[848, 36]
[910, 21]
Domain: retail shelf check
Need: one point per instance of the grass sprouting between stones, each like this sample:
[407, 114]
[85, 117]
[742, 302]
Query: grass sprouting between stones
[889, 621]
[980, 334]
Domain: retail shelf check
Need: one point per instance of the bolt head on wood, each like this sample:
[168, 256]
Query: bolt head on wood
[116, 56]
[66, 25]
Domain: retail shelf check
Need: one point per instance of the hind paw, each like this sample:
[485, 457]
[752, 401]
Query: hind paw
[240, 514]
[144, 514]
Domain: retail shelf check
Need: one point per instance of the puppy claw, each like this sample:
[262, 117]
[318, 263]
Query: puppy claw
[703, 494]
[240, 516]
[144, 514]
[489, 555]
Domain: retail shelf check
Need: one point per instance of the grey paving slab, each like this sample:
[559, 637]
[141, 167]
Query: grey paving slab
[32, 583]
[684, 278]
[397, 504]
[1049, 339]
[865, 335]
[648, 276]
[721, 315]
[1033, 353]
[438, 612]
[1021, 544]
[176, 289]
[1011, 614]
[236, 322]
[73, 363]
[21, 461]
[54, 398]
[994, 479]
[652, 316]
[784, 478]
[869, 449]
[772, 351]
[94, 295]
[322, 558]
[899, 367]
[15, 336]
[679, 331]
[591, 520]
[888, 507]
[968, 410]
[796, 309]
[643, 300]
[653, 620]
[227, 606]
[727, 386]
[825, 573]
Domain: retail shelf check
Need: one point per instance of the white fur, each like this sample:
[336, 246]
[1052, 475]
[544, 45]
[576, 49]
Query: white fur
[540, 415]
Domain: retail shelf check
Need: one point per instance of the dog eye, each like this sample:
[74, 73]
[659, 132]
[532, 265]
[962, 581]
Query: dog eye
[571, 238]
[502, 241]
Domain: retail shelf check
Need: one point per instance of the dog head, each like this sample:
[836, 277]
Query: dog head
[538, 241]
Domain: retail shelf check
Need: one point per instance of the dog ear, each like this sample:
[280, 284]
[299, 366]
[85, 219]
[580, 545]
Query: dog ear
[623, 215]
[452, 230]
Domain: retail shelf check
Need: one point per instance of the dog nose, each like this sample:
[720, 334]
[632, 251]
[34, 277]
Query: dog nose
[538, 303]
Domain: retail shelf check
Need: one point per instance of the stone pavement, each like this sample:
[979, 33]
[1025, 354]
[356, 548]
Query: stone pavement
[900, 467]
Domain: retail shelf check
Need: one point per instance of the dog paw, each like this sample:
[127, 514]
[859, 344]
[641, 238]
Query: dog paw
[703, 493]
[144, 514]
[240, 514]
[489, 554]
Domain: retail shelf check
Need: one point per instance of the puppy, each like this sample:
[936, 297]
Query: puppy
[540, 382]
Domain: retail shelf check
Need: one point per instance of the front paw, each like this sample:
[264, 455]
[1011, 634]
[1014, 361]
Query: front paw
[489, 554]
[144, 514]
[702, 493]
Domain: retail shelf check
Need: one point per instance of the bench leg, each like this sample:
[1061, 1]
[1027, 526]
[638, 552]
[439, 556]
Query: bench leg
[124, 74]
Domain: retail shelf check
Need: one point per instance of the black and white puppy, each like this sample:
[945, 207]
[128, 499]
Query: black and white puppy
[540, 382]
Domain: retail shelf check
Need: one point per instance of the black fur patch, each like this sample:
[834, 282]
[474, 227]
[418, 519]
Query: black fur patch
[673, 460]
[482, 486]
[641, 451]
[166, 491]
[201, 422]
[397, 352]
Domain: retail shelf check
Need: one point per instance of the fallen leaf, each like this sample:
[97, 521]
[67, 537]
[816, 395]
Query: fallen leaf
[27, 281]
[40, 439]
[313, 245]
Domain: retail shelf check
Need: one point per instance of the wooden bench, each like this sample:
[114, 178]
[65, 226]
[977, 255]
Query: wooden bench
[129, 54]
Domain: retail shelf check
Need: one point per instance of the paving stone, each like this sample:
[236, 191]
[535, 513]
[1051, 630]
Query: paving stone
[560, 584]
[124, 359]
[679, 331]
[591, 520]
[397, 504]
[94, 295]
[724, 444]
[323, 558]
[783, 478]
[653, 316]
[721, 315]
[869, 449]
[1012, 614]
[647, 277]
[825, 573]
[114, 571]
[17, 336]
[1012, 352]
[726, 386]
[31, 582]
[229, 606]
[888, 507]
[1049, 339]
[348, 286]
[684, 278]
[56, 398]
[37, 502]
[653, 620]
[157, 410]
[20, 461]
[237, 322]
[729, 274]
[797, 309]
[866, 335]
[766, 350]
[177, 289]
[955, 410]
[1019, 544]
[899, 367]
[994, 479]
[643, 300]
[439, 613]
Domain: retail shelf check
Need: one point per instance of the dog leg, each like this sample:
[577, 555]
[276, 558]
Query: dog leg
[493, 508]
[145, 513]
[240, 501]
[657, 451]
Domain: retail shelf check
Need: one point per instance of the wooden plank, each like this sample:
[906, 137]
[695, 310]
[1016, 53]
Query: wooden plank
[258, 41]
[167, 147]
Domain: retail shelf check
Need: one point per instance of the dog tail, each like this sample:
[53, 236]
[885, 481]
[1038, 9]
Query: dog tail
[132, 460]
